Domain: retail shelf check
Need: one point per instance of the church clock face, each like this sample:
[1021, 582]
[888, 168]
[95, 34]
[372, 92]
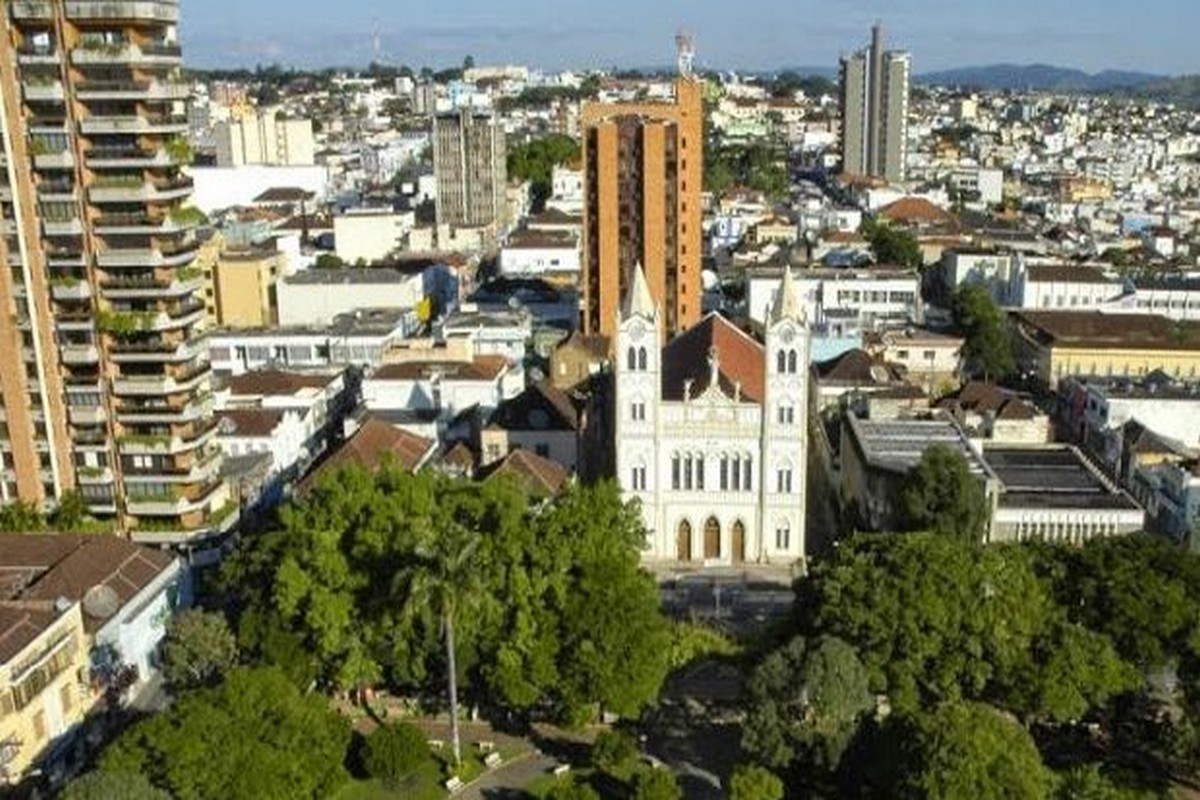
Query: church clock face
[787, 335]
[637, 332]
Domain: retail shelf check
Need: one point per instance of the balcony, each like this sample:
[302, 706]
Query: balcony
[36, 54]
[64, 257]
[86, 416]
[76, 354]
[44, 91]
[155, 385]
[64, 159]
[147, 124]
[155, 352]
[138, 224]
[95, 475]
[61, 191]
[135, 288]
[153, 413]
[167, 445]
[139, 191]
[32, 9]
[148, 10]
[67, 289]
[159, 506]
[205, 470]
[127, 157]
[62, 227]
[132, 90]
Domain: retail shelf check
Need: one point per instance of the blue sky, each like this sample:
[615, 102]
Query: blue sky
[1153, 35]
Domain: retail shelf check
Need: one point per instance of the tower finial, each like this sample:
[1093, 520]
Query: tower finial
[638, 300]
[787, 302]
[685, 50]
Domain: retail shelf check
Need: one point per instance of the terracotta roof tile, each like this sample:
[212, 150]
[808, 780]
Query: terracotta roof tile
[910, 210]
[374, 442]
[483, 368]
[741, 360]
[276, 382]
[541, 476]
[249, 422]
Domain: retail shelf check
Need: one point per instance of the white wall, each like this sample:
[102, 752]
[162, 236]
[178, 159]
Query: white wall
[224, 187]
[370, 236]
[524, 261]
[318, 303]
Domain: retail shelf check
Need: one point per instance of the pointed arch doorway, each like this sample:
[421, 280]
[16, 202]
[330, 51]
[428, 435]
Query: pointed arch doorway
[739, 542]
[683, 541]
[712, 538]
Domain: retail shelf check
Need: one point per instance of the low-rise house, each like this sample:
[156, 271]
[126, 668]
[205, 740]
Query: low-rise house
[541, 419]
[854, 378]
[1064, 286]
[931, 360]
[375, 443]
[81, 622]
[541, 477]
[316, 297]
[447, 386]
[1053, 345]
[578, 358]
[490, 333]
[991, 412]
[541, 254]
[356, 339]
[872, 297]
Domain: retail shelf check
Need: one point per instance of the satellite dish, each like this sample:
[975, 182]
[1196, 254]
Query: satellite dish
[101, 602]
[879, 374]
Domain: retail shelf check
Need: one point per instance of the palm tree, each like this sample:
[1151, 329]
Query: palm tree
[444, 581]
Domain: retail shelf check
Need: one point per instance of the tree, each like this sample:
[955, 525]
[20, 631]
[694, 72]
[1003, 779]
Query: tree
[445, 582]
[572, 789]
[892, 245]
[329, 261]
[255, 737]
[71, 513]
[988, 349]
[655, 784]
[21, 517]
[615, 753]
[806, 700]
[962, 750]
[535, 162]
[101, 785]
[198, 649]
[941, 494]
[393, 752]
[1090, 783]
[931, 618]
[750, 782]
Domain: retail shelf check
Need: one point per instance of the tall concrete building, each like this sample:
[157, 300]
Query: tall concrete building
[470, 165]
[643, 169]
[264, 137]
[104, 382]
[874, 105]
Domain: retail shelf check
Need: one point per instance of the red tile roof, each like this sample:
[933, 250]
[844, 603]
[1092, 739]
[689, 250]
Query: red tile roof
[483, 368]
[276, 382]
[741, 360]
[249, 422]
[540, 476]
[374, 442]
[909, 210]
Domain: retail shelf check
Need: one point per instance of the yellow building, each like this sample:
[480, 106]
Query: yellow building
[1057, 344]
[240, 287]
[643, 166]
[43, 681]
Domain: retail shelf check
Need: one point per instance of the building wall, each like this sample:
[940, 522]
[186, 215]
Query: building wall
[894, 117]
[137, 631]
[561, 447]
[449, 395]
[1058, 362]
[370, 237]
[318, 303]
[62, 702]
[529, 261]
[469, 161]
[854, 82]
[264, 138]
[244, 289]
[1073, 526]
[653, 152]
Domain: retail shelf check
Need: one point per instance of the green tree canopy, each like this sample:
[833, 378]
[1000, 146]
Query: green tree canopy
[565, 617]
[198, 650]
[806, 699]
[393, 752]
[931, 619]
[941, 495]
[893, 246]
[535, 162]
[101, 785]
[254, 737]
[751, 782]
[988, 350]
[655, 784]
[971, 750]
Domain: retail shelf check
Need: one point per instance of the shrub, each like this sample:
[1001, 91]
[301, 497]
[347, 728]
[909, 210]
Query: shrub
[395, 751]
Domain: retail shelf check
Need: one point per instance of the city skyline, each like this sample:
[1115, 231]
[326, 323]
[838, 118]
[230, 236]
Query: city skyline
[754, 35]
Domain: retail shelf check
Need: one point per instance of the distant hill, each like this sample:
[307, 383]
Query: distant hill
[1040, 77]
[1183, 91]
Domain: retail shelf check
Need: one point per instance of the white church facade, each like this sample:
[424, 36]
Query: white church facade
[711, 433]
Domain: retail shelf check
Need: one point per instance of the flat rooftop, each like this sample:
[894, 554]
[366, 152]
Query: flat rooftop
[1052, 477]
[898, 444]
[363, 322]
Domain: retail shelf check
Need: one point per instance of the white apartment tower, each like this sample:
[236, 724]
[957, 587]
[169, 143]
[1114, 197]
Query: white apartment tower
[874, 104]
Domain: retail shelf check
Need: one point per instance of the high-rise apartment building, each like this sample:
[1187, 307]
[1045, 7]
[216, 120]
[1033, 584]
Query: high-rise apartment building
[265, 137]
[103, 379]
[874, 105]
[643, 168]
[470, 165]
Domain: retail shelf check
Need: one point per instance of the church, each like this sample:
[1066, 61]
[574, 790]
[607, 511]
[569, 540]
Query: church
[711, 432]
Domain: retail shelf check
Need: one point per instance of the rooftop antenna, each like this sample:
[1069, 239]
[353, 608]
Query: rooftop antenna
[685, 49]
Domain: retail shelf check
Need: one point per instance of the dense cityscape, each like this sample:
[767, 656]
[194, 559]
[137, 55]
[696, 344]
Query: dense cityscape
[489, 431]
